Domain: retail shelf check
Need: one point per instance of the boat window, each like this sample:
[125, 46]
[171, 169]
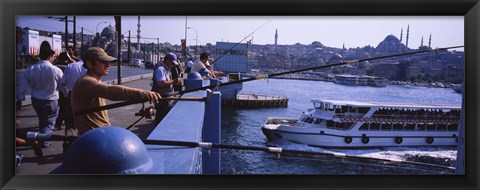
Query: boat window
[410, 127]
[363, 110]
[317, 121]
[353, 110]
[441, 127]
[305, 119]
[310, 120]
[364, 127]
[398, 127]
[344, 109]
[317, 105]
[421, 127]
[452, 127]
[330, 107]
[338, 109]
[431, 127]
[330, 123]
[374, 126]
[386, 126]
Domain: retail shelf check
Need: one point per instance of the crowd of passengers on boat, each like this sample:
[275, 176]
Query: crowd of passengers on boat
[392, 119]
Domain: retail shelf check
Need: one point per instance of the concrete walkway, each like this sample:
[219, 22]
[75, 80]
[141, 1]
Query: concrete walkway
[123, 117]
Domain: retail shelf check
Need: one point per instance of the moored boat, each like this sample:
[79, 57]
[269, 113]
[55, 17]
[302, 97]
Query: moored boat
[355, 124]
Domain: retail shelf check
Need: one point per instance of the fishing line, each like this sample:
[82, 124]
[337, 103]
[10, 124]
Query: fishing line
[239, 43]
[209, 146]
[343, 161]
[116, 105]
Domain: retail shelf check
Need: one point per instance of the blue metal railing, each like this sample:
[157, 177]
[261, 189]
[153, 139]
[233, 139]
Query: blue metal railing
[194, 122]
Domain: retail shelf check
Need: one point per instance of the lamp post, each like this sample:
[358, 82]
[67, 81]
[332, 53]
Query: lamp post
[196, 40]
[96, 30]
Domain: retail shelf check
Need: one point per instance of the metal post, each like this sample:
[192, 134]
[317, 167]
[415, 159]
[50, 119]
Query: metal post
[129, 52]
[66, 32]
[74, 33]
[81, 44]
[460, 165]
[185, 53]
[118, 26]
[144, 51]
[151, 55]
[212, 132]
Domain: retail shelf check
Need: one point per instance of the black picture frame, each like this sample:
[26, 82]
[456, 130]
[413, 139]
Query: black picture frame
[469, 8]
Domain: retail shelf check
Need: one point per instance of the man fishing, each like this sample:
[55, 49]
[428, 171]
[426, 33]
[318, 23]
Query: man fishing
[90, 92]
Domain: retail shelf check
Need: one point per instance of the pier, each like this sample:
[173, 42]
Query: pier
[256, 100]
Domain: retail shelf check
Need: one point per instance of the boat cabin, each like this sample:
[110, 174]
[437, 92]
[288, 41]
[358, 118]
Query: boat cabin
[384, 116]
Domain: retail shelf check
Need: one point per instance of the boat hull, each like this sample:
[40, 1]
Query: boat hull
[323, 137]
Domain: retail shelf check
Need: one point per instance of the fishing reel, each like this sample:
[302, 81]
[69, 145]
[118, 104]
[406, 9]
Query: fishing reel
[146, 112]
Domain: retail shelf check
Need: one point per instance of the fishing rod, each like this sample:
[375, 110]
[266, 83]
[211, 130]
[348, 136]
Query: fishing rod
[239, 42]
[25, 116]
[136, 101]
[116, 105]
[209, 145]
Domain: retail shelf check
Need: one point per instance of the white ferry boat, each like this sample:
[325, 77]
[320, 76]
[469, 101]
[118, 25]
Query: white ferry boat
[354, 124]
[350, 80]
[355, 80]
[376, 81]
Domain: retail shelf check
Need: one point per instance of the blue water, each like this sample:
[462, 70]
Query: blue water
[243, 127]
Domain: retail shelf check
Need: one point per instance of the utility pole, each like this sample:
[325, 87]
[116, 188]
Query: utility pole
[152, 52]
[185, 52]
[118, 25]
[129, 51]
[66, 32]
[74, 33]
[81, 43]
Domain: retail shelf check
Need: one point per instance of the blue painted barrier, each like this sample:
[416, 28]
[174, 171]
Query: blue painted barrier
[190, 121]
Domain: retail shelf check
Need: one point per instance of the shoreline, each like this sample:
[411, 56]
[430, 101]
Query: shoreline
[388, 83]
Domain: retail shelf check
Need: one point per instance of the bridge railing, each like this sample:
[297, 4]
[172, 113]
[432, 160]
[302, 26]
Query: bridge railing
[192, 121]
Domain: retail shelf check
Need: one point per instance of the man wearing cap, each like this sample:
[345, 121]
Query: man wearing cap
[163, 84]
[203, 67]
[89, 92]
[43, 78]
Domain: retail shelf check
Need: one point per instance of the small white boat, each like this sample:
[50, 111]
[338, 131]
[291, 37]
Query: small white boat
[354, 124]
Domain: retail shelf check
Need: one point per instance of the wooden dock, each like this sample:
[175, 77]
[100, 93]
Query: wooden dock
[256, 100]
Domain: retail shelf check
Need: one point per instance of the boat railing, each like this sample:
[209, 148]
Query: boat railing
[355, 117]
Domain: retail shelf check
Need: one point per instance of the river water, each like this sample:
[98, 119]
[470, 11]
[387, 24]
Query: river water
[243, 127]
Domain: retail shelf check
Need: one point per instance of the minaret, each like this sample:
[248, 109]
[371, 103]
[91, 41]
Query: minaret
[401, 35]
[276, 36]
[138, 34]
[421, 43]
[430, 41]
[408, 31]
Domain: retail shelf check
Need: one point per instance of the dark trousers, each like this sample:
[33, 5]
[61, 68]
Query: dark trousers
[162, 110]
[70, 129]
[61, 111]
[47, 112]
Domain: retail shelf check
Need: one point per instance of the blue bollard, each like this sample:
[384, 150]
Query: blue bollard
[108, 150]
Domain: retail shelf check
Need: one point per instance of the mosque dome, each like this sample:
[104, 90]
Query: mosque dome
[391, 44]
[109, 30]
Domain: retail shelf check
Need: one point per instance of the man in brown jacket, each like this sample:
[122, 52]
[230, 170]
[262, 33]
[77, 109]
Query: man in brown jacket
[90, 92]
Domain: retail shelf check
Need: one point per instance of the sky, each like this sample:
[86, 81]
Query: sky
[331, 31]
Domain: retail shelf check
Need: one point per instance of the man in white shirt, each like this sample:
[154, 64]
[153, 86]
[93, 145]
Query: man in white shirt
[204, 68]
[73, 71]
[189, 65]
[43, 78]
